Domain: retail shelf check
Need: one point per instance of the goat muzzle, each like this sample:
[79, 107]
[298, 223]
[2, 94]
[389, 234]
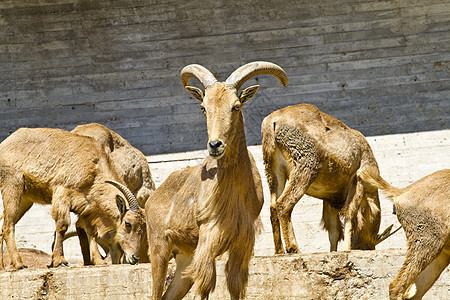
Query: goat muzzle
[216, 148]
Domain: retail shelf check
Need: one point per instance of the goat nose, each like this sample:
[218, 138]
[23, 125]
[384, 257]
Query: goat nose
[215, 144]
[136, 257]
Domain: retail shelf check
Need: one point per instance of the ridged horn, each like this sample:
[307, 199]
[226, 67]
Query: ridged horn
[203, 75]
[244, 73]
[134, 205]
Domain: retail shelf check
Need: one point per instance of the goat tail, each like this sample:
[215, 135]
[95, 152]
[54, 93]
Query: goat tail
[268, 136]
[372, 177]
[268, 148]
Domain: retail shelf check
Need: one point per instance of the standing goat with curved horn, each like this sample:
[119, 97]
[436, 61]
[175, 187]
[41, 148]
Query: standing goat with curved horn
[201, 212]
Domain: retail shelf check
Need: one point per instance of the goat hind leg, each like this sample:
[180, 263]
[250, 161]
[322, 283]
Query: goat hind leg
[417, 259]
[275, 191]
[429, 276]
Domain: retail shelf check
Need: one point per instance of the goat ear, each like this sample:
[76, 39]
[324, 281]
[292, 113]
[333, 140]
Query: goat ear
[195, 92]
[248, 93]
[121, 205]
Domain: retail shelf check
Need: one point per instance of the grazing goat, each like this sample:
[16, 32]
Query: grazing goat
[319, 155]
[200, 212]
[423, 210]
[130, 165]
[68, 171]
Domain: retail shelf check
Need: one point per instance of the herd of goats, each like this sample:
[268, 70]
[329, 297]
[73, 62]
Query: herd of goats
[201, 212]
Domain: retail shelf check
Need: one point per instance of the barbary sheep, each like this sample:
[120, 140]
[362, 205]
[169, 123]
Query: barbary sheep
[306, 151]
[130, 165]
[68, 171]
[423, 210]
[200, 212]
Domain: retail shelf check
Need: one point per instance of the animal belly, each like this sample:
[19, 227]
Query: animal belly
[328, 191]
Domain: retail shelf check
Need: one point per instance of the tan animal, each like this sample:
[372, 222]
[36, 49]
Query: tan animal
[423, 210]
[201, 212]
[132, 168]
[68, 171]
[130, 164]
[33, 258]
[309, 152]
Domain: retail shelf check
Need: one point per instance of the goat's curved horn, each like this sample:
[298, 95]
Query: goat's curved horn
[134, 205]
[203, 75]
[244, 73]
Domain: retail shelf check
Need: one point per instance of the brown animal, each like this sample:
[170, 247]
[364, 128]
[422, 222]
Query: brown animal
[132, 168]
[33, 258]
[423, 210]
[130, 164]
[309, 152]
[200, 212]
[68, 171]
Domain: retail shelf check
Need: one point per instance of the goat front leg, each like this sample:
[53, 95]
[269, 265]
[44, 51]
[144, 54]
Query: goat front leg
[159, 254]
[89, 245]
[237, 268]
[202, 270]
[94, 253]
[84, 245]
[13, 212]
[180, 284]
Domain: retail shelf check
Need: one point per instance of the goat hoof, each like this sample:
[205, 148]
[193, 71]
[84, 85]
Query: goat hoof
[292, 250]
[63, 264]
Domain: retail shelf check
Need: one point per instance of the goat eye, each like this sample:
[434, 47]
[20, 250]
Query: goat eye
[127, 225]
[237, 107]
[203, 109]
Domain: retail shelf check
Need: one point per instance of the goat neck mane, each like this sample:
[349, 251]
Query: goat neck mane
[225, 202]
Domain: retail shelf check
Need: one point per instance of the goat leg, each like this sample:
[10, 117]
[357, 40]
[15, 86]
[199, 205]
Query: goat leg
[180, 284]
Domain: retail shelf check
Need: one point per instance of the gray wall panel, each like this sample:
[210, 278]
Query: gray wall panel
[381, 67]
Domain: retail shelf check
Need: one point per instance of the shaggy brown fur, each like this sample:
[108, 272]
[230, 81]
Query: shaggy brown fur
[68, 171]
[309, 152]
[423, 210]
[202, 212]
[132, 168]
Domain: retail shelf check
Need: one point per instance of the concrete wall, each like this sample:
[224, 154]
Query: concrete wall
[379, 66]
[358, 275]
